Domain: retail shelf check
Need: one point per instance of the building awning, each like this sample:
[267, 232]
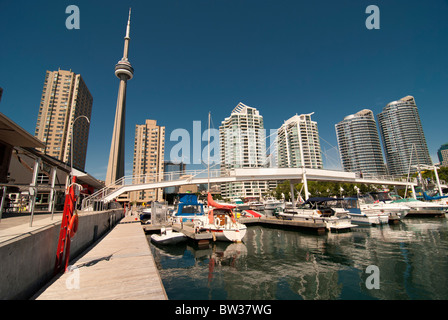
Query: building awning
[14, 135]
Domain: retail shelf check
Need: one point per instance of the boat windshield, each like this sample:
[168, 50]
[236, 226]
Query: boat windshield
[395, 197]
[191, 208]
[350, 203]
[366, 199]
[381, 196]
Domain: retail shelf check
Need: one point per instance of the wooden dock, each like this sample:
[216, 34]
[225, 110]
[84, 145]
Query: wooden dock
[188, 230]
[309, 224]
[426, 213]
[118, 267]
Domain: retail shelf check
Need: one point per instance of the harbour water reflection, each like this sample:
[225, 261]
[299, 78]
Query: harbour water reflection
[412, 258]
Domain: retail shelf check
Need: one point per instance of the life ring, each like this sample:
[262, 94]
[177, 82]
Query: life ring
[73, 225]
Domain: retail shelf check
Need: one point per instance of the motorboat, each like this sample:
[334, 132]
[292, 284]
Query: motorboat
[221, 222]
[379, 200]
[145, 215]
[420, 206]
[188, 208]
[423, 196]
[239, 204]
[168, 237]
[321, 209]
[361, 213]
[256, 205]
[272, 204]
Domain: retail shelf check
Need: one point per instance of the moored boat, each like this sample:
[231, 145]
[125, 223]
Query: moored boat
[239, 204]
[272, 204]
[380, 201]
[316, 209]
[256, 205]
[168, 237]
[417, 205]
[221, 222]
[188, 208]
[361, 214]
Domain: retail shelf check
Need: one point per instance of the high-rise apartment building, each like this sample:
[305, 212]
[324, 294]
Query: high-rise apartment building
[65, 97]
[172, 171]
[243, 145]
[442, 154]
[298, 143]
[149, 152]
[402, 134]
[359, 144]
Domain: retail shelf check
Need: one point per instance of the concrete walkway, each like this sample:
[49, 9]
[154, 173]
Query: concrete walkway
[12, 228]
[119, 267]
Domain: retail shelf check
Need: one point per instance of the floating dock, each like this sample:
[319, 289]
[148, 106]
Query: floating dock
[303, 224]
[188, 229]
[426, 213]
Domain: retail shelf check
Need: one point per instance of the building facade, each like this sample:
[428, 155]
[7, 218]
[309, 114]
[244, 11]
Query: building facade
[298, 143]
[173, 171]
[402, 135]
[65, 97]
[149, 153]
[243, 145]
[442, 153]
[359, 144]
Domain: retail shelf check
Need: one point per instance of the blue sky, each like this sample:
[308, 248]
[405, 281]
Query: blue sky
[195, 56]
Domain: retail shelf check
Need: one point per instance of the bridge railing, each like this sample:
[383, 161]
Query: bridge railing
[370, 176]
[89, 202]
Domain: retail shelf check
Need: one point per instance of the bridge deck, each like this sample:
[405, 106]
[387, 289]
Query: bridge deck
[119, 267]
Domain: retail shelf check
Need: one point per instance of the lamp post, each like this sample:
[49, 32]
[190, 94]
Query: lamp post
[71, 142]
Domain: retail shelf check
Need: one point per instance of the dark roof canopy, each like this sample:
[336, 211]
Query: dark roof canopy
[14, 135]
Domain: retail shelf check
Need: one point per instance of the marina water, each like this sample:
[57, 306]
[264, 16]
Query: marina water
[280, 264]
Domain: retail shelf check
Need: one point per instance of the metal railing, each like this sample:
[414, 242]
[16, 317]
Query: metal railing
[370, 176]
[89, 201]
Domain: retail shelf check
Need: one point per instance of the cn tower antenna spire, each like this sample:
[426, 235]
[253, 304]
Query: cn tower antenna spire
[127, 38]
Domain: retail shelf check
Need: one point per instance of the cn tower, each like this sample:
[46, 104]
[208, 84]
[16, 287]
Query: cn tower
[124, 72]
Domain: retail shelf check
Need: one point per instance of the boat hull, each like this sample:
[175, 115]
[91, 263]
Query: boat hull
[229, 235]
[331, 223]
[369, 219]
[173, 238]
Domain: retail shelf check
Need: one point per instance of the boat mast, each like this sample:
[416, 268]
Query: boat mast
[409, 172]
[208, 160]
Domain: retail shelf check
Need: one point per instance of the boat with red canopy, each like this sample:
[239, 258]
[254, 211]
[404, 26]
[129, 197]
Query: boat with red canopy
[221, 222]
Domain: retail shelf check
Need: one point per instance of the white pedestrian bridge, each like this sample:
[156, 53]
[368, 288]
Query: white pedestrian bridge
[172, 179]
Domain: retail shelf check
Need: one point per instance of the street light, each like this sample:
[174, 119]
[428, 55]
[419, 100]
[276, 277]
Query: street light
[71, 142]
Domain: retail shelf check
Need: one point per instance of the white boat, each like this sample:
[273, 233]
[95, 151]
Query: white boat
[221, 222]
[271, 204]
[380, 201]
[320, 210]
[240, 205]
[417, 205]
[255, 205]
[168, 237]
[361, 214]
